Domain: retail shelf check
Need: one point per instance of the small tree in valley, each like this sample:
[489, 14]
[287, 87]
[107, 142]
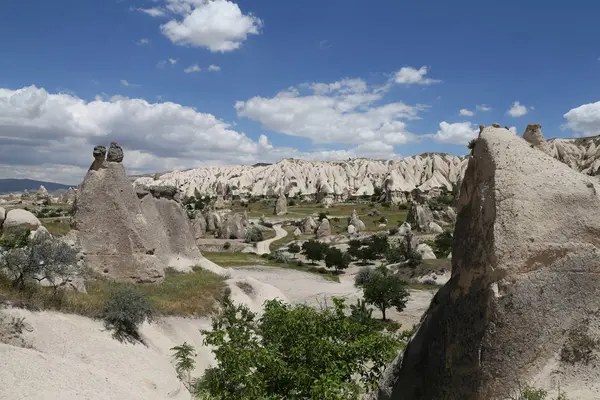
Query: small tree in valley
[385, 290]
[294, 248]
[314, 250]
[335, 258]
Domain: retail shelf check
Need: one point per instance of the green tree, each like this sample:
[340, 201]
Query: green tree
[294, 248]
[292, 352]
[354, 246]
[379, 245]
[125, 311]
[254, 234]
[184, 361]
[314, 250]
[335, 258]
[385, 290]
[442, 245]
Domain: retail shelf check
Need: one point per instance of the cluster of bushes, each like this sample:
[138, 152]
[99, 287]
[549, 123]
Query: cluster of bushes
[47, 212]
[334, 258]
[254, 234]
[291, 352]
[193, 204]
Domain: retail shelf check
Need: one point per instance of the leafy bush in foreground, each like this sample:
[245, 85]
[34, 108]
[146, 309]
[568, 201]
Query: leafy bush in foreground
[124, 311]
[292, 352]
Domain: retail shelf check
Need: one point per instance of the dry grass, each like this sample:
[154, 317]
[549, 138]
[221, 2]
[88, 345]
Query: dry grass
[235, 259]
[193, 294]
[57, 227]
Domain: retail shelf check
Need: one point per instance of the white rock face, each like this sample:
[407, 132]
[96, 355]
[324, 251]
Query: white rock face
[434, 228]
[351, 229]
[353, 177]
[2, 215]
[581, 154]
[426, 251]
[20, 219]
[404, 229]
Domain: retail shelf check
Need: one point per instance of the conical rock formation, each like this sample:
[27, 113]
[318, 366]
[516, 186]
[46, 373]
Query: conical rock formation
[524, 282]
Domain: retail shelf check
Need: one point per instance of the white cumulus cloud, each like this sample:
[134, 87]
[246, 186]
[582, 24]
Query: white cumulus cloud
[410, 75]
[584, 120]
[218, 25]
[466, 113]
[346, 111]
[483, 107]
[457, 133]
[128, 84]
[214, 68]
[153, 12]
[50, 136]
[143, 41]
[517, 110]
[192, 68]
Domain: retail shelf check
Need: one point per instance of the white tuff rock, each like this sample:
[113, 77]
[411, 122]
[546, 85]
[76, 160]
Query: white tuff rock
[20, 219]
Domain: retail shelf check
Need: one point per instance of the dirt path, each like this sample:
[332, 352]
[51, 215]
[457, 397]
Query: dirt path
[263, 247]
[306, 288]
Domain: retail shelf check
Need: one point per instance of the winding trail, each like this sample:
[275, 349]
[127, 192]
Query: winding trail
[263, 247]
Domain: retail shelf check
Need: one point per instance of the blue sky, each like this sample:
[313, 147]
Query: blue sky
[308, 79]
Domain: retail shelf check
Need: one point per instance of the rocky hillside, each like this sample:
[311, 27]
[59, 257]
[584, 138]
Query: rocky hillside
[582, 154]
[353, 177]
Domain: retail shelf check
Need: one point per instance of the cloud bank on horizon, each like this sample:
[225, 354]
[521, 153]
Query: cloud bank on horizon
[182, 99]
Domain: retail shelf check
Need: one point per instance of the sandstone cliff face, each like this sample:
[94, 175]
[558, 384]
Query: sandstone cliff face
[334, 179]
[129, 236]
[525, 274]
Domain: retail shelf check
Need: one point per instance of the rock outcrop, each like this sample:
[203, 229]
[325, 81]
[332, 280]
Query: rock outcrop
[525, 268]
[2, 217]
[42, 194]
[281, 204]
[308, 225]
[19, 219]
[355, 221]
[333, 180]
[68, 196]
[419, 217]
[533, 134]
[324, 229]
[232, 227]
[115, 153]
[130, 235]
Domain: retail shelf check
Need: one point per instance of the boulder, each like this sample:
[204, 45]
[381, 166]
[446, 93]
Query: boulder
[297, 232]
[524, 283]
[213, 222]
[404, 229]
[351, 229]
[19, 219]
[451, 214]
[419, 216]
[199, 226]
[533, 134]
[356, 222]
[115, 153]
[426, 251]
[127, 235]
[434, 228]
[2, 217]
[281, 204]
[324, 229]
[309, 225]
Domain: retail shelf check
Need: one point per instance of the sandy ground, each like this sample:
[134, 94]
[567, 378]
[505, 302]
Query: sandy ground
[301, 287]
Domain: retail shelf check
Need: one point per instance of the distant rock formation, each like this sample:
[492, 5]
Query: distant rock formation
[130, 235]
[68, 196]
[523, 284]
[308, 225]
[281, 204]
[324, 181]
[25, 195]
[419, 217]
[324, 229]
[42, 194]
[232, 227]
[2, 217]
[355, 221]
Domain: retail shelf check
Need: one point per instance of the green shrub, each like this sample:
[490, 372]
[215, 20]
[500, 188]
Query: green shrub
[335, 258]
[442, 245]
[227, 245]
[294, 248]
[292, 352]
[322, 216]
[184, 360]
[254, 235]
[125, 311]
[363, 276]
[314, 250]
[385, 290]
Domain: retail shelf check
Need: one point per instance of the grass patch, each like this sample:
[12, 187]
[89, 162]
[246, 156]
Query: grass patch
[269, 234]
[57, 227]
[249, 260]
[192, 294]
[284, 241]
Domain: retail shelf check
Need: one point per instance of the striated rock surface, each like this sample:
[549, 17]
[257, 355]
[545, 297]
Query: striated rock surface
[127, 234]
[524, 281]
[331, 179]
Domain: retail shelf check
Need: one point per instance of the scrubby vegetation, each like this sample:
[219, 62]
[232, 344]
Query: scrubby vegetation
[254, 235]
[125, 311]
[293, 352]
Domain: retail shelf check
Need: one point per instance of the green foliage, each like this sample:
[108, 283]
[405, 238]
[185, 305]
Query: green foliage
[378, 245]
[43, 258]
[226, 245]
[195, 203]
[291, 202]
[354, 248]
[314, 250]
[254, 234]
[294, 248]
[322, 216]
[335, 258]
[531, 393]
[184, 360]
[385, 290]
[292, 352]
[15, 240]
[124, 311]
[363, 276]
[471, 144]
[442, 245]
